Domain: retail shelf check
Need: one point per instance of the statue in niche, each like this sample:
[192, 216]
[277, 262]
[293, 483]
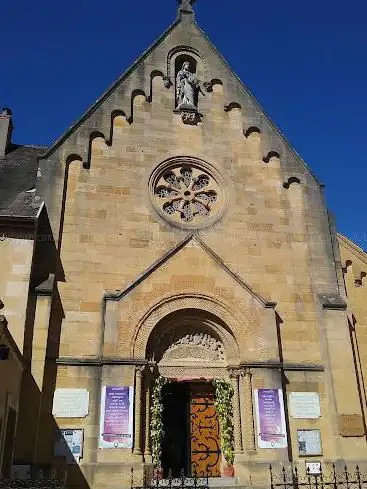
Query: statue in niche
[187, 87]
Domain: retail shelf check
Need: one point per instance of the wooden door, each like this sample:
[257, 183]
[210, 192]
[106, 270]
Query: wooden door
[205, 435]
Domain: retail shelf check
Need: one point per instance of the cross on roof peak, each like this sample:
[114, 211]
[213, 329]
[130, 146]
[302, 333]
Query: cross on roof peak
[186, 6]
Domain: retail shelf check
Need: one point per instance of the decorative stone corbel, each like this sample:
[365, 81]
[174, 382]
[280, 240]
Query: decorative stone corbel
[167, 82]
[189, 115]
[333, 302]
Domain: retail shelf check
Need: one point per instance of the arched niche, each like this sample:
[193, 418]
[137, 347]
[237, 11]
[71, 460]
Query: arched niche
[189, 53]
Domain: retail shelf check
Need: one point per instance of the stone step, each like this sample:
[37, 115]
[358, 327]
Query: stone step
[223, 482]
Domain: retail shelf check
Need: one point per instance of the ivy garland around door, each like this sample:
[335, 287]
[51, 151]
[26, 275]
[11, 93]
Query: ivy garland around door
[223, 404]
[156, 424]
[224, 407]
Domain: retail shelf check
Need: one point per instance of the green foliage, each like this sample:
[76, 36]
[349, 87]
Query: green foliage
[156, 423]
[223, 404]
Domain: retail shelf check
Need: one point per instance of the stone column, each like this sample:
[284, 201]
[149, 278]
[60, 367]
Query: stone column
[248, 432]
[234, 375]
[138, 398]
[147, 449]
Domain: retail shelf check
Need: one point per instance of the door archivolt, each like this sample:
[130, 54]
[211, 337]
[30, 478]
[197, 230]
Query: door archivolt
[188, 330]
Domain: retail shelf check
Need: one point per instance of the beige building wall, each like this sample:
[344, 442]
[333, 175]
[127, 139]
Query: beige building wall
[354, 264]
[10, 385]
[16, 260]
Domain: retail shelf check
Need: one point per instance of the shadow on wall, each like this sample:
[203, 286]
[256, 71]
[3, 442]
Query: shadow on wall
[36, 428]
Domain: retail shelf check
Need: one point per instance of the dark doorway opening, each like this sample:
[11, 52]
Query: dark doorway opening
[175, 444]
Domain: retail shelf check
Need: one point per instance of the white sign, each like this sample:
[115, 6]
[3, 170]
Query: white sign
[70, 403]
[305, 405]
[309, 442]
[271, 428]
[313, 468]
[69, 444]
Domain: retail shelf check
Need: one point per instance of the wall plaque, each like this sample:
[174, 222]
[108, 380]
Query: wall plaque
[116, 423]
[271, 429]
[304, 405]
[351, 425]
[70, 403]
[309, 442]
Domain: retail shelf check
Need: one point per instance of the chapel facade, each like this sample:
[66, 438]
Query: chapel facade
[170, 256]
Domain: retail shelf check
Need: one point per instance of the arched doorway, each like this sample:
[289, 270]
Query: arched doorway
[190, 348]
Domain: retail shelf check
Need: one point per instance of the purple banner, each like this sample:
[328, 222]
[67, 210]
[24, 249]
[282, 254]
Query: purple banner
[270, 418]
[116, 421]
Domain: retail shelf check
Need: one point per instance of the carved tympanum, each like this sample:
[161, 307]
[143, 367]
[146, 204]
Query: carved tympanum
[186, 343]
[199, 346]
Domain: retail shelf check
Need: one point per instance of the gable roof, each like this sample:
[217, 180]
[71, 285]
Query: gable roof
[18, 175]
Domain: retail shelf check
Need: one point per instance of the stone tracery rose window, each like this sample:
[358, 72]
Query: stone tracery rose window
[187, 194]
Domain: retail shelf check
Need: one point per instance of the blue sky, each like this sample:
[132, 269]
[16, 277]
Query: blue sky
[305, 62]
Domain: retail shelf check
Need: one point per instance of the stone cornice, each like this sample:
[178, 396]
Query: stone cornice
[99, 362]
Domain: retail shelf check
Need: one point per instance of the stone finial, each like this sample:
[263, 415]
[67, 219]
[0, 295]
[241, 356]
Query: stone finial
[186, 7]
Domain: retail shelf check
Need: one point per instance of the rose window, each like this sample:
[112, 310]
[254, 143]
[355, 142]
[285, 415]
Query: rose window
[187, 194]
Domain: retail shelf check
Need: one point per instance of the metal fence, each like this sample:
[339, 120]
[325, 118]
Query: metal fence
[323, 478]
[45, 483]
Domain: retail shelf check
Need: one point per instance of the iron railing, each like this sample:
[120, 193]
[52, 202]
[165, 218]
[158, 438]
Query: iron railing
[325, 478]
[48, 483]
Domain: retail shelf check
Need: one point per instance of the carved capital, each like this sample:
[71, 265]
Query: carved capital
[139, 369]
[246, 372]
[234, 373]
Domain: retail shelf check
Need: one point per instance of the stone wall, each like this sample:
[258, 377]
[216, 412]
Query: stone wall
[10, 384]
[16, 260]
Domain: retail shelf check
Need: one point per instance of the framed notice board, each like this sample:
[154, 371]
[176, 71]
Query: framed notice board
[309, 442]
